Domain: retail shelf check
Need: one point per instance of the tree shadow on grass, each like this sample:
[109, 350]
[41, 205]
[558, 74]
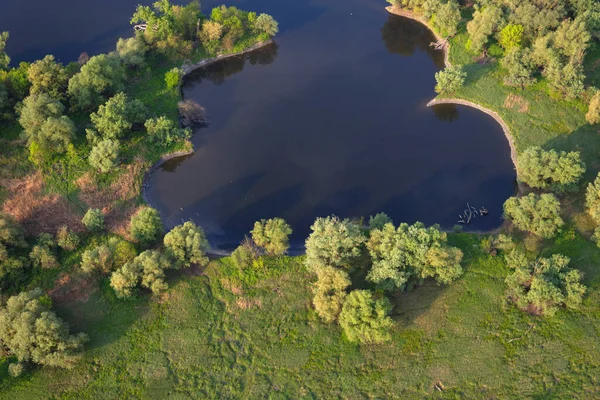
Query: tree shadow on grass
[411, 304]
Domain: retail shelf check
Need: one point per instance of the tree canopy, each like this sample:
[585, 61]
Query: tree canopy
[101, 77]
[549, 169]
[364, 318]
[538, 214]
[333, 242]
[186, 244]
[272, 235]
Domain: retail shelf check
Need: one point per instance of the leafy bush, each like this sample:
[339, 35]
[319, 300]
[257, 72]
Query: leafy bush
[55, 135]
[511, 36]
[411, 251]
[48, 76]
[43, 254]
[31, 332]
[36, 109]
[450, 79]
[164, 131]
[333, 242]
[592, 199]
[544, 285]
[593, 114]
[118, 116]
[93, 220]
[186, 244]
[11, 233]
[146, 269]
[67, 239]
[519, 66]
[272, 235]
[545, 169]
[364, 318]
[245, 254]
[379, 221]
[538, 214]
[173, 78]
[330, 292]
[132, 51]
[266, 24]
[146, 226]
[104, 155]
[108, 256]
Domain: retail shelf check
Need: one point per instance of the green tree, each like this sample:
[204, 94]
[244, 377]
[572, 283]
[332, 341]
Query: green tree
[132, 52]
[566, 78]
[266, 24]
[118, 116]
[538, 214]
[511, 36]
[146, 269]
[333, 242]
[245, 254]
[93, 220]
[173, 78]
[592, 199]
[330, 292]
[364, 318]
[43, 254]
[272, 235]
[519, 67]
[101, 77]
[450, 79]
[67, 239]
[484, 23]
[411, 251]
[104, 155]
[379, 221]
[593, 114]
[11, 233]
[164, 131]
[17, 82]
[573, 39]
[36, 110]
[146, 226]
[108, 256]
[540, 287]
[48, 76]
[186, 245]
[55, 135]
[31, 332]
[447, 18]
[548, 169]
[210, 35]
[4, 58]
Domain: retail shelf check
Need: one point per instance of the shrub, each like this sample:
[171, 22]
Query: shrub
[43, 253]
[245, 254]
[519, 66]
[146, 269]
[265, 23]
[544, 285]
[16, 370]
[132, 51]
[364, 318]
[104, 154]
[48, 76]
[12, 270]
[450, 79]
[31, 332]
[411, 251]
[592, 199]
[484, 23]
[55, 135]
[106, 257]
[333, 242]
[330, 292]
[67, 239]
[93, 220]
[11, 233]
[163, 131]
[593, 114]
[272, 235]
[538, 214]
[549, 169]
[379, 221]
[511, 36]
[36, 110]
[173, 78]
[186, 244]
[117, 116]
[146, 226]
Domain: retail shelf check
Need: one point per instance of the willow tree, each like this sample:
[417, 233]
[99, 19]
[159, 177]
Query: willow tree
[538, 214]
[549, 169]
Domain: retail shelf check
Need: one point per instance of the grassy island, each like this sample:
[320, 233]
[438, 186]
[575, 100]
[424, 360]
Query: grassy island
[98, 301]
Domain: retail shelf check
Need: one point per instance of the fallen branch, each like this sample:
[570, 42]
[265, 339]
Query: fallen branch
[525, 334]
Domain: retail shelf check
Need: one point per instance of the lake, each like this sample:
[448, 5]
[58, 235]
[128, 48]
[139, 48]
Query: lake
[330, 120]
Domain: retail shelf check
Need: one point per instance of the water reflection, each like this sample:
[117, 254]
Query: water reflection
[446, 112]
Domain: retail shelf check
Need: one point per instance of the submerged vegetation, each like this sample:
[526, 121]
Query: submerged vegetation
[381, 310]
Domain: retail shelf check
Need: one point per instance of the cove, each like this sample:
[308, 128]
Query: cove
[333, 120]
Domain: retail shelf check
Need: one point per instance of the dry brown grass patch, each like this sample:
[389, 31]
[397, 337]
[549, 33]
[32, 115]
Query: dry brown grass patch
[232, 287]
[515, 102]
[74, 287]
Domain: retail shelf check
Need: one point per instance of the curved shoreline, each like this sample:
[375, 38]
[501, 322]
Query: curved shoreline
[150, 171]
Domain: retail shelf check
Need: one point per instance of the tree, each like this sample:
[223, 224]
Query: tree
[36, 110]
[132, 52]
[379, 221]
[67, 239]
[364, 318]
[31, 332]
[266, 24]
[544, 285]
[146, 226]
[272, 235]
[107, 257]
[447, 18]
[17, 82]
[164, 131]
[4, 58]
[573, 39]
[101, 77]
[104, 154]
[548, 169]
[117, 116]
[511, 36]
[173, 78]
[146, 269]
[187, 244]
[484, 23]
[210, 35]
[519, 66]
[43, 254]
[593, 114]
[11, 233]
[450, 79]
[48, 76]
[538, 214]
[411, 251]
[592, 199]
[55, 135]
[330, 292]
[566, 78]
[333, 242]
[93, 220]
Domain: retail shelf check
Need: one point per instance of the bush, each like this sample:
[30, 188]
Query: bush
[511, 36]
[16, 369]
[132, 51]
[118, 116]
[93, 220]
[43, 254]
[67, 239]
[519, 66]
[146, 226]
[31, 332]
[544, 285]
[364, 319]
[272, 235]
[11, 233]
[538, 214]
[333, 242]
[544, 169]
[411, 251]
[36, 110]
[55, 135]
[107, 257]
[245, 254]
[265, 23]
[173, 78]
[48, 76]
[592, 200]
[450, 79]
[186, 244]
[379, 221]
[593, 114]
[163, 131]
[104, 154]
[330, 292]
[146, 269]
